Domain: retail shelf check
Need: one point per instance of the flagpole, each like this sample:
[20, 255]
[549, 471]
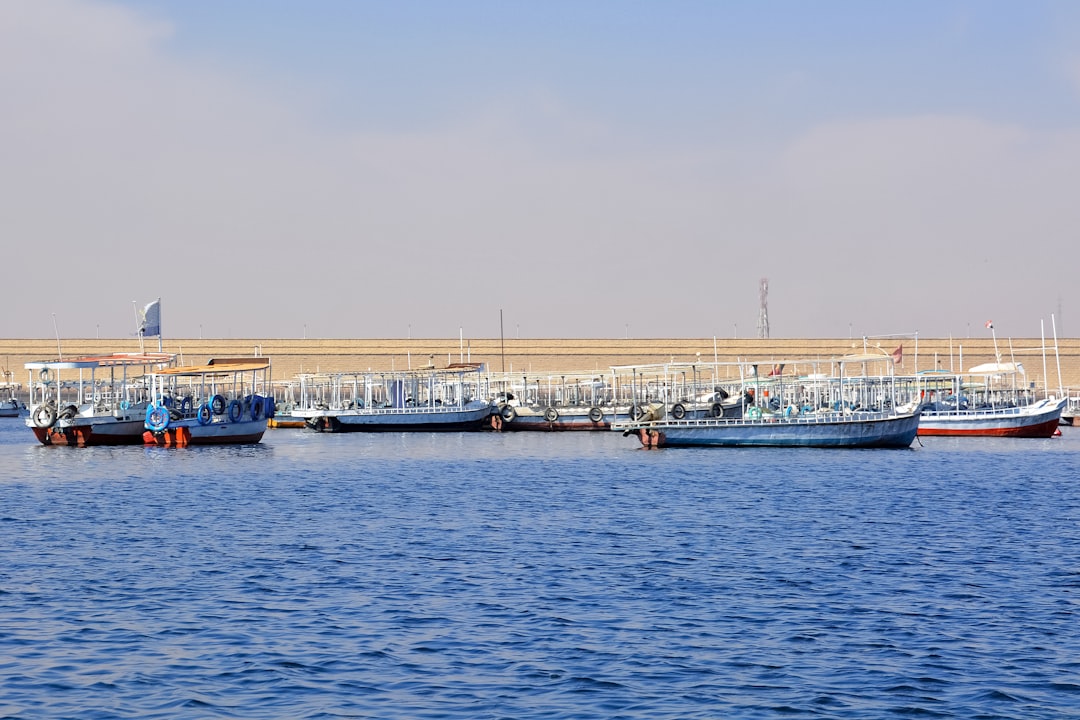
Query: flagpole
[159, 325]
[138, 324]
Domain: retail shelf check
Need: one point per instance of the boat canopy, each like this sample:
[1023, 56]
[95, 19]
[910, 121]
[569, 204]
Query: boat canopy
[227, 368]
[94, 361]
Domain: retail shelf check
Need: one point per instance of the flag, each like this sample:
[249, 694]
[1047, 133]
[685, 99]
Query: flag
[989, 324]
[776, 370]
[150, 319]
[898, 354]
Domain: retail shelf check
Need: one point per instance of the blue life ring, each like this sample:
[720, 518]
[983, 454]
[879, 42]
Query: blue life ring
[753, 412]
[256, 407]
[124, 404]
[236, 409]
[205, 414]
[186, 405]
[217, 405]
[157, 417]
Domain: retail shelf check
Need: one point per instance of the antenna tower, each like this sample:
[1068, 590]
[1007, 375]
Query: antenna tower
[763, 313]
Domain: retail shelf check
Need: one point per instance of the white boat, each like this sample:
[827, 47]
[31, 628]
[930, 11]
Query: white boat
[225, 402]
[95, 400]
[834, 410]
[986, 401]
[428, 399]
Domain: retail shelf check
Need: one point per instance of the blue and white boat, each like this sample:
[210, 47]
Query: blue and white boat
[427, 399]
[813, 409]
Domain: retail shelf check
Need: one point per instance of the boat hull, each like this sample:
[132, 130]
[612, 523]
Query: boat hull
[189, 432]
[869, 431]
[401, 420]
[1035, 421]
[554, 419]
[90, 432]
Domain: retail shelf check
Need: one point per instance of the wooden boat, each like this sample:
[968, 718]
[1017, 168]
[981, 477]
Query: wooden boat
[225, 402]
[797, 410]
[986, 401]
[95, 400]
[428, 399]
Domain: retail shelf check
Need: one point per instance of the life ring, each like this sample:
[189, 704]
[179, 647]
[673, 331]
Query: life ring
[124, 404]
[44, 416]
[753, 412]
[157, 417]
[508, 413]
[186, 404]
[236, 409]
[678, 411]
[205, 414]
[256, 407]
[596, 414]
[551, 414]
[217, 404]
[717, 410]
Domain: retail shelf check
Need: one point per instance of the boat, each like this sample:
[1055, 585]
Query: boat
[833, 410]
[426, 399]
[987, 401]
[225, 402]
[12, 407]
[91, 400]
[558, 401]
[1071, 410]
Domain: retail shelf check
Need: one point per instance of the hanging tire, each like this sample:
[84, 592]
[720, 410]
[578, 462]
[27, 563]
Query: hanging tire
[678, 412]
[205, 414]
[217, 404]
[256, 407]
[43, 416]
[186, 404]
[68, 412]
[508, 413]
[636, 413]
[551, 414]
[236, 410]
[157, 417]
[596, 414]
[717, 410]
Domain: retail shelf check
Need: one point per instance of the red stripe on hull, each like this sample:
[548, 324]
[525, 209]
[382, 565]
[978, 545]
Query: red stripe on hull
[1041, 430]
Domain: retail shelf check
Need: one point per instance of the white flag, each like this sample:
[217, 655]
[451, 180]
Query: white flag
[150, 319]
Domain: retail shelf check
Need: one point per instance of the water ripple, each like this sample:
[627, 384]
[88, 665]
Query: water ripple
[538, 576]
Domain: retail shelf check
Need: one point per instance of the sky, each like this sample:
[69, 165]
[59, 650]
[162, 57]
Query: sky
[598, 169]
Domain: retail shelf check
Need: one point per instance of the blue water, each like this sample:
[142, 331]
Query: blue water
[538, 576]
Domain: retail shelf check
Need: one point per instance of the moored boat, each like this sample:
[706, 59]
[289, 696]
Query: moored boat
[796, 410]
[11, 407]
[94, 400]
[427, 399]
[225, 402]
[987, 401]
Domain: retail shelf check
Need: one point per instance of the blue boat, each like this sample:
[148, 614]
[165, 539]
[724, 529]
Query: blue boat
[832, 429]
[785, 408]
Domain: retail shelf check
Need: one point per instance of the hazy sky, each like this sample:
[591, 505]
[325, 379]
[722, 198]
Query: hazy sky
[341, 168]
